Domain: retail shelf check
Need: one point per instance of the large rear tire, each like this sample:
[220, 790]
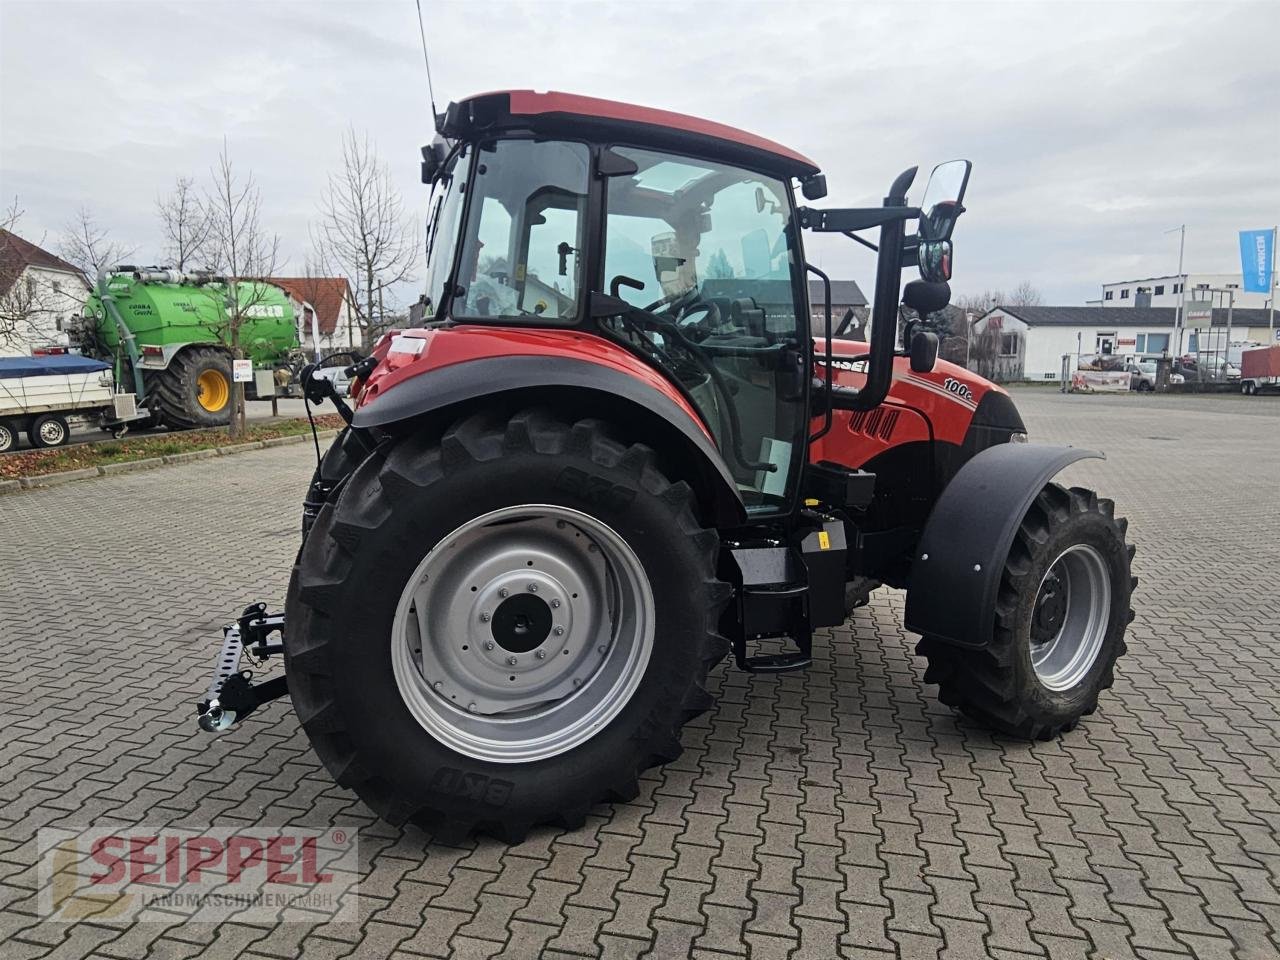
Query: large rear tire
[1061, 616]
[195, 389]
[402, 612]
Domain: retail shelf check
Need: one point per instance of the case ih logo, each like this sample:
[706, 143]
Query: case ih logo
[159, 873]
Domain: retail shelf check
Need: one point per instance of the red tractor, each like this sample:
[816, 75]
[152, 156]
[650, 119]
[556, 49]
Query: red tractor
[614, 452]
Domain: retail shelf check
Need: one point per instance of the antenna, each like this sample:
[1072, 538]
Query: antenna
[431, 93]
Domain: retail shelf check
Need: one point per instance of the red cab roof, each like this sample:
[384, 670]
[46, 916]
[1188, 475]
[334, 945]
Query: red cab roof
[529, 108]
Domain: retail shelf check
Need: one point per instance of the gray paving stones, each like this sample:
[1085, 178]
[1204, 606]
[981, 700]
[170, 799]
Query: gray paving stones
[844, 812]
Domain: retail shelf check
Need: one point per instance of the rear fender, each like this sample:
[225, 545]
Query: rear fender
[955, 575]
[579, 387]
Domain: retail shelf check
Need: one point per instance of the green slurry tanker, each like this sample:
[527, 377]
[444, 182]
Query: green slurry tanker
[166, 332]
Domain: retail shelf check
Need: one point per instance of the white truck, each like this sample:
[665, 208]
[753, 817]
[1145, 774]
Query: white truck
[44, 396]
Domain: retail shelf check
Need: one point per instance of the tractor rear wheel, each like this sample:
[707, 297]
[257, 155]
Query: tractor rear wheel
[1061, 615]
[503, 627]
[195, 389]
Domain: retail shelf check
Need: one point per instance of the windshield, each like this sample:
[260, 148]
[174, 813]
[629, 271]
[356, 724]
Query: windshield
[524, 233]
[709, 251]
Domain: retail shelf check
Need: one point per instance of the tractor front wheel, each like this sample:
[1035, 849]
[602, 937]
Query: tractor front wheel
[1061, 615]
[503, 627]
[195, 389]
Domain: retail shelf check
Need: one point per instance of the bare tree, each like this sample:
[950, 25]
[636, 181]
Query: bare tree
[1025, 295]
[24, 303]
[186, 226]
[245, 253]
[88, 246]
[364, 230]
[12, 216]
[29, 304]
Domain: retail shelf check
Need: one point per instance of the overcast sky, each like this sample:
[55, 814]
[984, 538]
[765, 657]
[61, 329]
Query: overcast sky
[1093, 127]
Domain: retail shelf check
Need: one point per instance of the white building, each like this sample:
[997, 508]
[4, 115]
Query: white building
[41, 297]
[1167, 291]
[1030, 342]
[329, 300]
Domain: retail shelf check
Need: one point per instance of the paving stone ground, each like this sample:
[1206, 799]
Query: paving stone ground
[839, 812]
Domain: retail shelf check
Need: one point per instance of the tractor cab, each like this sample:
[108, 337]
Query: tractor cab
[674, 238]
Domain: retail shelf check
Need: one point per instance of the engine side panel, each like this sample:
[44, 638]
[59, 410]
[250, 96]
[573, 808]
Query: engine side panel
[947, 398]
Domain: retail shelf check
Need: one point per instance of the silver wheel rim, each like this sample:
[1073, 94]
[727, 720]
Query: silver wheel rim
[1070, 617]
[51, 432]
[523, 633]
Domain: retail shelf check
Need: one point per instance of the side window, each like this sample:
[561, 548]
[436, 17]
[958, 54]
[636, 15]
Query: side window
[521, 255]
[442, 232]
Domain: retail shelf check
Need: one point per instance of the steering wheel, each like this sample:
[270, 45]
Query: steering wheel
[675, 302]
[712, 318]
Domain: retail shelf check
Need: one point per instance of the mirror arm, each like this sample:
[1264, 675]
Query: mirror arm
[847, 219]
[857, 239]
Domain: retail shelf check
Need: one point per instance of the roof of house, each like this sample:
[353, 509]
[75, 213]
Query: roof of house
[17, 254]
[1125, 316]
[325, 294]
[846, 293]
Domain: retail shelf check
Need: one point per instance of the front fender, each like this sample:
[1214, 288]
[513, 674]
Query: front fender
[955, 575]
[589, 389]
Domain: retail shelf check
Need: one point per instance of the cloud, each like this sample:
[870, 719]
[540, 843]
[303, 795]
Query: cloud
[1094, 127]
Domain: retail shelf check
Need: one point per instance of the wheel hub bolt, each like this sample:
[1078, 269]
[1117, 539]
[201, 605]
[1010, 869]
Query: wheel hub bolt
[533, 588]
[484, 618]
[542, 654]
[512, 660]
[577, 682]
[488, 644]
[438, 685]
[471, 707]
[559, 631]
[555, 604]
[503, 592]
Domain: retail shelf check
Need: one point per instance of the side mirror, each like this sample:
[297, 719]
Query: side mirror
[942, 200]
[933, 257]
[432, 160]
[814, 187]
[924, 351]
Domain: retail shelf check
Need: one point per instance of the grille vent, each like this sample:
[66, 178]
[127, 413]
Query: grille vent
[875, 423]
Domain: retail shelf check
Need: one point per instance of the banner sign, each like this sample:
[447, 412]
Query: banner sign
[1100, 381]
[1257, 259]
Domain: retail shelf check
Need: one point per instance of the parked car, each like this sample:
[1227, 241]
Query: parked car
[1206, 368]
[1142, 375]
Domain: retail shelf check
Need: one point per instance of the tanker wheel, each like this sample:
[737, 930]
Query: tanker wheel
[8, 436]
[49, 430]
[1061, 615]
[504, 627]
[195, 389]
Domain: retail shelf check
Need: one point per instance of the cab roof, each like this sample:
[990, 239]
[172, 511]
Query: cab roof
[568, 114]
